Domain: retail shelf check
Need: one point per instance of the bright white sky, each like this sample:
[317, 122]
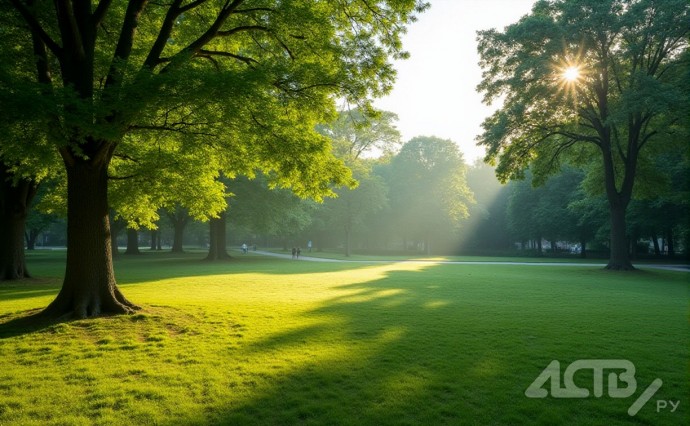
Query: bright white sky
[435, 93]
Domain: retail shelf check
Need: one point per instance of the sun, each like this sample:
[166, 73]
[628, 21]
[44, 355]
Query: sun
[571, 74]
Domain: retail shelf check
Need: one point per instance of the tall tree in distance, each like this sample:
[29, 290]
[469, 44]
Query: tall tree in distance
[590, 81]
[241, 83]
[355, 133]
[16, 195]
[428, 191]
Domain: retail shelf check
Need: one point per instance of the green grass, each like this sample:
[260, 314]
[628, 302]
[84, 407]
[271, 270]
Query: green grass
[269, 341]
[339, 255]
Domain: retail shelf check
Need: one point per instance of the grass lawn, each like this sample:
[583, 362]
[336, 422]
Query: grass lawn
[339, 255]
[268, 341]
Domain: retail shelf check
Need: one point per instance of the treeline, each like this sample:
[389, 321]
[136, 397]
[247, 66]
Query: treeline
[422, 198]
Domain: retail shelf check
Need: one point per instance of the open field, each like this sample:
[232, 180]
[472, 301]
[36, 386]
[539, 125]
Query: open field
[269, 341]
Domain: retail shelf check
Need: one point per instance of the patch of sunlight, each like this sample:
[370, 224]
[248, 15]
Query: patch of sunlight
[390, 334]
[486, 367]
[404, 386]
[432, 260]
[435, 304]
[257, 286]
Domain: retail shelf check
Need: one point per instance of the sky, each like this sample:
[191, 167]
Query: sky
[435, 94]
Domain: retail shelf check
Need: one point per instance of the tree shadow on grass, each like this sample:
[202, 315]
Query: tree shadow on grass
[24, 322]
[438, 350]
[158, 266]
[389, 351]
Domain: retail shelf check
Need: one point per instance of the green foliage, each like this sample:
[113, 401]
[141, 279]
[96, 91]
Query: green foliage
[174, 93]
[355, 133]
[353, 206]
[256, 207]
[631, 88]
[428, 187]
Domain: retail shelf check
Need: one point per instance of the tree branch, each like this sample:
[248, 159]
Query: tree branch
[36, 27]
[192, 5]
[99, 13]
[171, 128]
[125, 42]
[245, 59]
[152, 59]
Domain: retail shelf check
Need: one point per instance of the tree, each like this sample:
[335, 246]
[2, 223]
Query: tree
[239, 83]
[487, 222]
[355, 133]
[428, 191]
[37, 221]
[595, 81]
[179, 218]
[132, 242]
[663, 211]
[521, 212]
[15, 198]
[353, 206]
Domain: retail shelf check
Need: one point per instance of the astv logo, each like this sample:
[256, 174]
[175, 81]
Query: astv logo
[621, 383]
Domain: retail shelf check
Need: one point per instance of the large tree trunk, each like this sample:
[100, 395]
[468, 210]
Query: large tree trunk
[31, 237]
[14, 208]
[217, 249]
[178, 238]
[132, 242]
[89, 288]
[620, 257]
[153, 238]
[179, 219]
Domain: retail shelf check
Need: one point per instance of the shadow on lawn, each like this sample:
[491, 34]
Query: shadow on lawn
[21, 323]
[157, 266]
[388, 352]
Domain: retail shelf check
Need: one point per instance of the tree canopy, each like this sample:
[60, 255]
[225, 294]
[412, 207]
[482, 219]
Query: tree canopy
[588, 82]
[117, 87]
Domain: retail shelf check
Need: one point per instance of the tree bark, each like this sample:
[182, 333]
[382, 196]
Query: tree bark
[179, 219]
[178, 238]
[217, 249]
[132, 242]
[620, 257]
[31, 237]
[14, 209]
[89, 288]
[153, 234]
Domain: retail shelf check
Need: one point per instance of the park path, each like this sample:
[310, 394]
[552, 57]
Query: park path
[681, 268]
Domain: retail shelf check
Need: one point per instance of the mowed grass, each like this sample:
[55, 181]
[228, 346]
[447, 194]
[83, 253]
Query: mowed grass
[274, 342]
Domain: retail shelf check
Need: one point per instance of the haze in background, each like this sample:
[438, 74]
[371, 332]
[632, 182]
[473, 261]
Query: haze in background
[435, 91]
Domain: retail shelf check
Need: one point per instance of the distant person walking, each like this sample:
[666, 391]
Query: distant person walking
[299, 251]
[244, 248]
[294, 253]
